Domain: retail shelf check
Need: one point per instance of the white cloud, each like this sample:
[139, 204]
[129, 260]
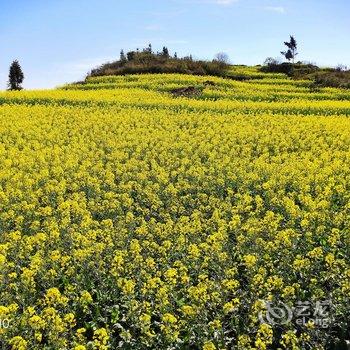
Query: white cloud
[279, 9]
[83, 66]
[163, 14]
[215, 2]
[225, 2]
[176, 42]
[157, 42]
[153, 27]
[86, 64]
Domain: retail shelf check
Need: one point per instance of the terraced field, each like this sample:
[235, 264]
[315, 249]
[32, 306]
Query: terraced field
[132, 218]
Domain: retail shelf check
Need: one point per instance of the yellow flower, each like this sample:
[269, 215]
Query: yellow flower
[80, 347]
[145, 319]
[230, 306]
[171, 275]
[209, 346]
[288, 291]
[85, 297]
[53, 296]
[169, 318]
[264, 337]
[2, 260]
[80, 334]
[38, 336]
[70, 320]
[170, 327]
[127, 286]
[250, 260]
[215, 325]
[301, 263]
[194, 251]
[18, 343]
[188, 310]
[101, 339]
[36, 322]
[330, 259]
[175, 206]
[243, 342]
[290, 341]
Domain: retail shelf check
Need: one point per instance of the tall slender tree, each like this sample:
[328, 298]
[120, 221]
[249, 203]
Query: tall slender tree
[122, 56]
[16, 76]
[165, 52]
[292, 52]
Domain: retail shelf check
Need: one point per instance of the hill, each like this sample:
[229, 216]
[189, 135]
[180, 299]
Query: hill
[146, 61]
[322, 77]
[135, 217]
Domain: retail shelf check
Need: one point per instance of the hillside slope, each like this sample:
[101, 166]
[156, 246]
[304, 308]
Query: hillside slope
[135, 217]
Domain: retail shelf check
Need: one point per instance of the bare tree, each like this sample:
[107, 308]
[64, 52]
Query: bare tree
[341, 68]
[222, 57]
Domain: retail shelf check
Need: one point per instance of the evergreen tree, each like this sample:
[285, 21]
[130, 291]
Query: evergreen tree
[122, 56]
[165, 52]
[291, 53]
[131, 55]
[16, 76]
[175, 55]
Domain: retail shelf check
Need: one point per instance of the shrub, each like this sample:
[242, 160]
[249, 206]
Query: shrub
[335, 78]
[296, 70]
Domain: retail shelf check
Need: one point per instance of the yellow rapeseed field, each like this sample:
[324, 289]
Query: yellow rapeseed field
[131, 218]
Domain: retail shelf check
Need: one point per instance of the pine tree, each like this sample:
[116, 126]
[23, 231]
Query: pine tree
[131, 55]
[291, 53]
[165, 52]
[122, 56]
[16, 76]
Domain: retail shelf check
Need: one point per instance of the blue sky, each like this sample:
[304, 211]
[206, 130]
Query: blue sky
[58, 41]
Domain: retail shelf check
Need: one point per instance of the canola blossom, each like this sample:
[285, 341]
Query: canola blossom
[134, 219]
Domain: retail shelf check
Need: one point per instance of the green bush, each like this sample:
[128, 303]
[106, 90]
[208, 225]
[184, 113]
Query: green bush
[297, 70]
[333, 79]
